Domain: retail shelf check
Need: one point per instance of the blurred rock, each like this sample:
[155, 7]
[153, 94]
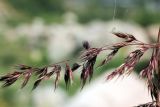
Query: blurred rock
[33, 30]
[61, 46]
[46, 97]
[125, 91]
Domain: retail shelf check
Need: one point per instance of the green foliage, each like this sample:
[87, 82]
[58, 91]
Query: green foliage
[53, 10]
[37, 7]
[19, 51]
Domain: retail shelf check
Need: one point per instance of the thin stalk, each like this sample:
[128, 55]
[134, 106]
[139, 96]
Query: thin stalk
[64, 61]
[155, 45]
[158, 58]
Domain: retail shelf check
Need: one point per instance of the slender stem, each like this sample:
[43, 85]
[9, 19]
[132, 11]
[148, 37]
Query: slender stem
[58, 63]
[155, 45]
[158, 50]
[158, 66]
[158, 102]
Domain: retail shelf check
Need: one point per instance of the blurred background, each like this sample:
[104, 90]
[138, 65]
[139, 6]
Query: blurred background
[41, 32]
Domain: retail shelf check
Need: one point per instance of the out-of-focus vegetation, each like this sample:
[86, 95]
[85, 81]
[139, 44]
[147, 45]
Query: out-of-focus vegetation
[20, 50]
[51, 10]
[86, 10]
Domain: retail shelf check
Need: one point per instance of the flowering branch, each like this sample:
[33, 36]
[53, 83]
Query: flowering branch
[88, 57]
